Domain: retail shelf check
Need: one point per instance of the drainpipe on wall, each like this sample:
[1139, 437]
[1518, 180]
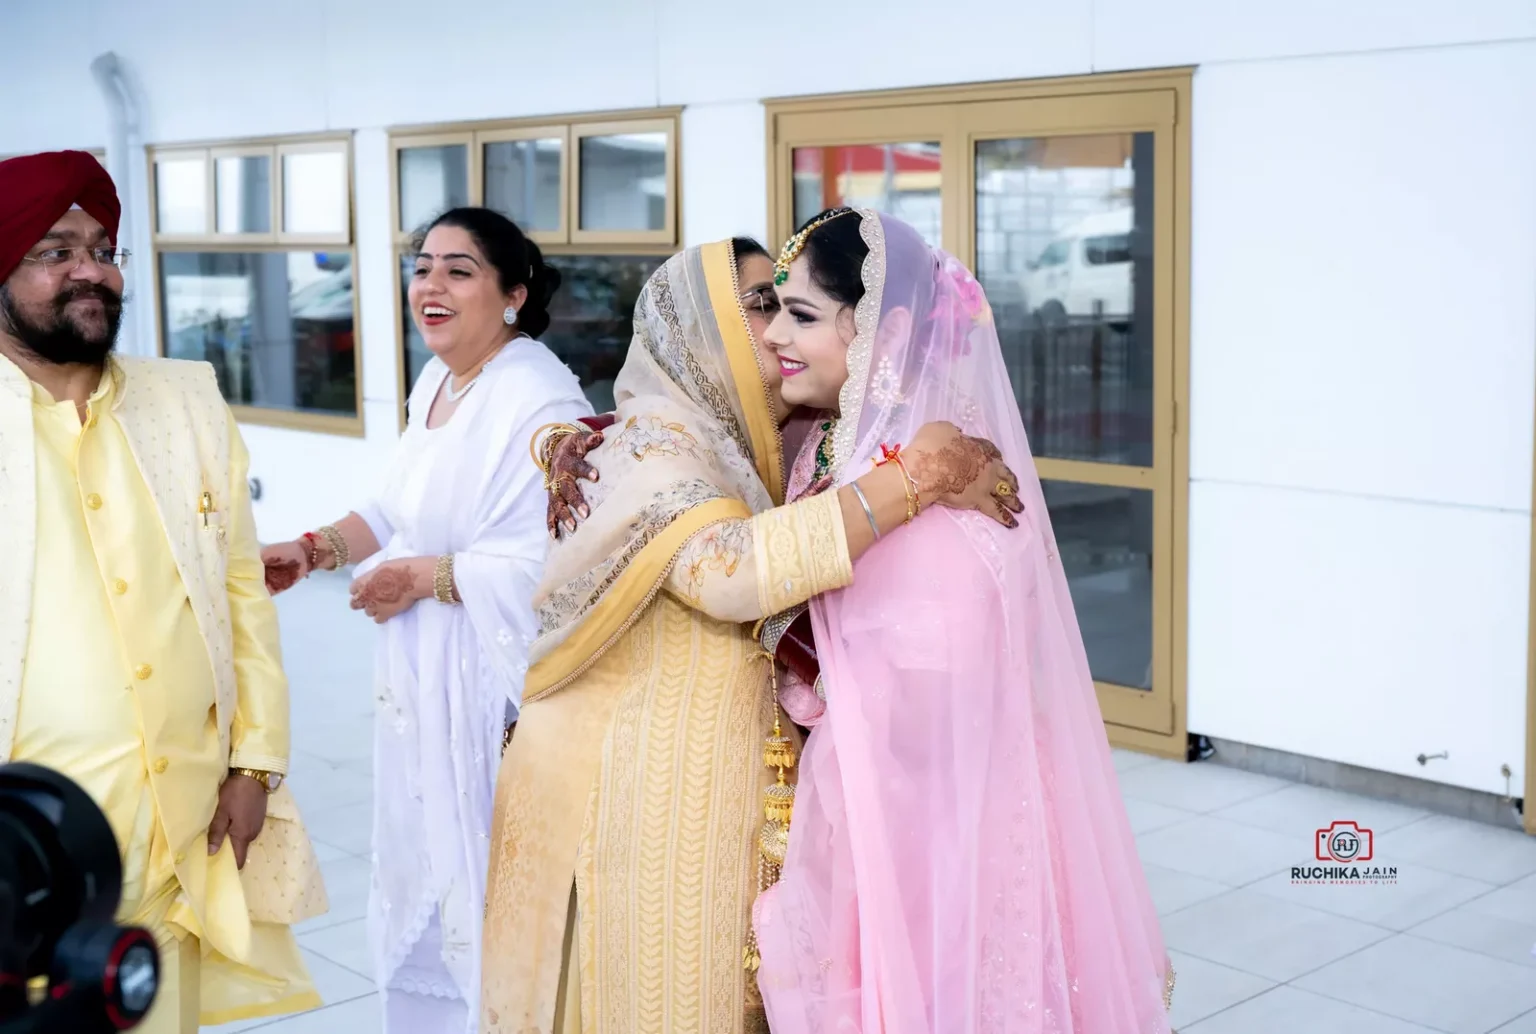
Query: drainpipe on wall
[125, 153]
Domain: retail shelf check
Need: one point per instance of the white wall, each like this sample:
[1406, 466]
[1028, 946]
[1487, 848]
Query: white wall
[1364, 278]
[1363, 365]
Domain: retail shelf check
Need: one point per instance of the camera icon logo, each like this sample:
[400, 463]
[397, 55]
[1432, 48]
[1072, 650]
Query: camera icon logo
[1345, 843]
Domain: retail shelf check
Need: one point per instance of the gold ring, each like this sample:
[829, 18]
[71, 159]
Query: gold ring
[1003, 489]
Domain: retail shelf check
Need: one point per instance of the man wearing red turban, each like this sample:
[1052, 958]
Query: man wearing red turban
[138, 646]
[52, 207]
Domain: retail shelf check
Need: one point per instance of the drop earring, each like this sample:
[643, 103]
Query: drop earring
[509, 316]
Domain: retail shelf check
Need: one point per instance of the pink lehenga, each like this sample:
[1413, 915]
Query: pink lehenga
[960, 860]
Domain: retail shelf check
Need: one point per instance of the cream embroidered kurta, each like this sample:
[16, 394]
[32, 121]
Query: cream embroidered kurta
[642, 781]
[636, 772]
[118, 690]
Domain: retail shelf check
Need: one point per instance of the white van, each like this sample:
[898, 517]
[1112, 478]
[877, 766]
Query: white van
[1088, 265]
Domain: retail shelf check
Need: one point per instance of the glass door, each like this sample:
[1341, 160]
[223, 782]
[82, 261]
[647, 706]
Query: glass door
[1065, 198]
[1072, 209]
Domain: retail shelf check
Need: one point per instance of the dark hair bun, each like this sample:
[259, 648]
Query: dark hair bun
[543, 281]
[518, 261]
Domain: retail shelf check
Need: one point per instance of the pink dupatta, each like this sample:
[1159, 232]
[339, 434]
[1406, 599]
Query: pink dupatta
[960, 860]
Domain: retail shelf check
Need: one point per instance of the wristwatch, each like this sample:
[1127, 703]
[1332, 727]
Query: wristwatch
[270, 781]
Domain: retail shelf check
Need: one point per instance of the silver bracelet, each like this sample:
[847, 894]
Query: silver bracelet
[773, 628]
[859, 492]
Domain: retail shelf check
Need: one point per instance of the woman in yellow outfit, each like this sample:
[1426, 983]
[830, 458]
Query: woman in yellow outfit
[625, 846]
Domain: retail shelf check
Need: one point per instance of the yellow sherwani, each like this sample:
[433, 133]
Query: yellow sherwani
[120, 690]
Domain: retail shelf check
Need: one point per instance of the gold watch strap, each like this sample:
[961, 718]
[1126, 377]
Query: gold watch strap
[264, 778]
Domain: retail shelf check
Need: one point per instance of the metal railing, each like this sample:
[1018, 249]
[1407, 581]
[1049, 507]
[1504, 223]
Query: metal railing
[1083, 384]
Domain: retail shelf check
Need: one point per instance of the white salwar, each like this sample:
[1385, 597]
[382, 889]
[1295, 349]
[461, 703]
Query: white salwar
[448, 678]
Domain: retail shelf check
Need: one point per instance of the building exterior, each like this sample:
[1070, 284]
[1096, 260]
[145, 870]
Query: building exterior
[1266, 275]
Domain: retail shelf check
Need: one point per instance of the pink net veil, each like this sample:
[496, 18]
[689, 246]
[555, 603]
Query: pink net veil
[960, 860]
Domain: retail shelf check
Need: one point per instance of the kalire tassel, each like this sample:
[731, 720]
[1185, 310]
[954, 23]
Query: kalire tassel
[778, 808]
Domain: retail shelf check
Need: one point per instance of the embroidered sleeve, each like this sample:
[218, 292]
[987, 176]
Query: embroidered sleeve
[743, 570]
[715, 572]
[801, 551]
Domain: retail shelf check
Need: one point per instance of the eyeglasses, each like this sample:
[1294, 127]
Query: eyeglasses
[67, 260]
[763, 299]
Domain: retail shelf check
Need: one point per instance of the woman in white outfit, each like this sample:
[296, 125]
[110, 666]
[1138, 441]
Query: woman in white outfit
[448, 556]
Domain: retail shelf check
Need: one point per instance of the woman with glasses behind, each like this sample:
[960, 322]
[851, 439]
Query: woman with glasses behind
[760, 302]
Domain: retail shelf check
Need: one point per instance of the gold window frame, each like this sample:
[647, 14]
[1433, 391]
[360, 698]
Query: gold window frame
[176, 154]
[401, 235]
[280, 175]
[561, 233]
[275, 197]
[569, 239]
[664, 236]
[277, 240]
[959, 118]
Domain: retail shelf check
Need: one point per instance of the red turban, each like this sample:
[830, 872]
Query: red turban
[35, 190]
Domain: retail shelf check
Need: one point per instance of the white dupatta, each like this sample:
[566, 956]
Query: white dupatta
[447, 678]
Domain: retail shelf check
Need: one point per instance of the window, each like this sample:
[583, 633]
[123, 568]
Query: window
[255, 275]
[1069, 199]
[597, 194]
[1054, 255]
[902, 179]
[1107, 251]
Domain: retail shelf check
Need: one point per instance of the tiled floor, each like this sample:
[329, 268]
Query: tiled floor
[1449, 948]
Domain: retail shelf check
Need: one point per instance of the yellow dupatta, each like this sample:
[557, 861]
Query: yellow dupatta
[687, 368]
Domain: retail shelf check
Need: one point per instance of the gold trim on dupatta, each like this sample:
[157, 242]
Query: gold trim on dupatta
[724, 284]
[845, 439]
[642, 576]
[631, 593]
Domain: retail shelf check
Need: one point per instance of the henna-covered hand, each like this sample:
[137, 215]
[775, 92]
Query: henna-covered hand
[568, 467]
[285, 564]
[963, 473]
[282, 575]
[393, 587]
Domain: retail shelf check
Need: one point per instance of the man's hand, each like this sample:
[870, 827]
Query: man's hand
[241, 812]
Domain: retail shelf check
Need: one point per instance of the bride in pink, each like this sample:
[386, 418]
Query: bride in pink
[959, 860]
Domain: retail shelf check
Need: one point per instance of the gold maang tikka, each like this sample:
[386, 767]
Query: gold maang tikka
[796, 244]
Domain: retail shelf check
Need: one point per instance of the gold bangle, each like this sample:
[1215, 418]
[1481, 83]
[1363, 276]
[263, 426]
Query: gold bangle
[910, 487]
[550, 443]
[534, 441]
[540, 446]
[892, 454]
[338, 544]
[443, 589]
